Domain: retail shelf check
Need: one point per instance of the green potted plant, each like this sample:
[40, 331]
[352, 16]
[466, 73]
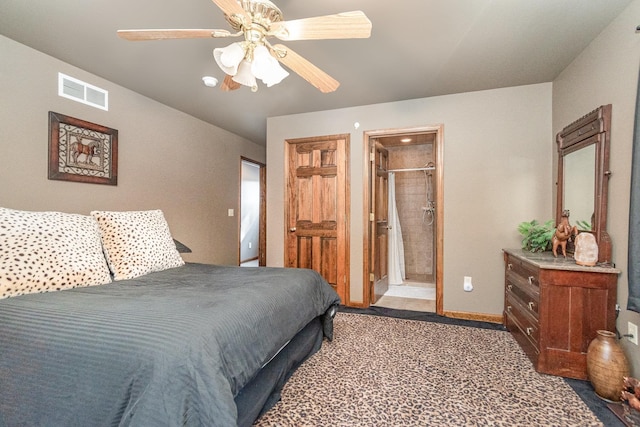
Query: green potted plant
[536, 236]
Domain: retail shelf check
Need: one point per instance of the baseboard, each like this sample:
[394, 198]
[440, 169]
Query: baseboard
[480, 317]
[356, 304]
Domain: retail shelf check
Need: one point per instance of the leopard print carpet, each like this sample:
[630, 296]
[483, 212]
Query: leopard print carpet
[382, 371]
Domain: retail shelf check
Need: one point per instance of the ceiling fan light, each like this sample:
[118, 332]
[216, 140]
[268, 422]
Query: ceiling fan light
[261, 64]
[228, 58]
[276, 75]
[244, 76]
[266, 68]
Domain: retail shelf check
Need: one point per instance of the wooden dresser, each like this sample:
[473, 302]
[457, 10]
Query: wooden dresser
[553, 308]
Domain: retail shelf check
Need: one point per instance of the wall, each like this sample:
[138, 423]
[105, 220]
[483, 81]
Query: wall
[497, 163]
[607, 73]
[167, 159]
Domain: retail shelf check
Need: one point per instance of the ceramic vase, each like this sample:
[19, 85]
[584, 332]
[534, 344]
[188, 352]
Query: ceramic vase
[607, 366]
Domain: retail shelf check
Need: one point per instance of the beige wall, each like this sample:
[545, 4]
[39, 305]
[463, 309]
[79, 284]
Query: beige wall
[167, 159]
[497, 163]
[607, 73]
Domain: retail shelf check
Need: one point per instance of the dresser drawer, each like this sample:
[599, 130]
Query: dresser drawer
[526, 271]
[524, 295]
[521, 317]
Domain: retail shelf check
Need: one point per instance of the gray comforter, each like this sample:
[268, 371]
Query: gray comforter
[167, 349]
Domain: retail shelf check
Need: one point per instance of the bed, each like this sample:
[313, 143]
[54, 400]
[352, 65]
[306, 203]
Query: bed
[180, 344]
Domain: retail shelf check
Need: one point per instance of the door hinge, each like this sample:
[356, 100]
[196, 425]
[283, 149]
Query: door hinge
[372, 277]
[372, 217]
[372, 155]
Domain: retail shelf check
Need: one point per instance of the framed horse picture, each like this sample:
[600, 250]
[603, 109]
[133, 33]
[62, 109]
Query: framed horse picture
[82, 151]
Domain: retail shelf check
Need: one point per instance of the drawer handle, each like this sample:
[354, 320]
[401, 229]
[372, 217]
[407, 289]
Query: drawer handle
[509, 266]
[509, 286]
[531, 304]
[531, 280]
[529, 331]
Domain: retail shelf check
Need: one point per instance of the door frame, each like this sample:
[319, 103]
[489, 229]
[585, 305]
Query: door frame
[262, 233]
[438, 148]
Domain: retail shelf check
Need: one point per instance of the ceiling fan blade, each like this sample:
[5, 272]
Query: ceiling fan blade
[141, 35]
[314, 75]
[347, 25]
[232, 7]
[229, 84]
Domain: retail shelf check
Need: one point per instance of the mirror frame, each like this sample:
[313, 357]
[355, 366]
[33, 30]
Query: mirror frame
[593, 128]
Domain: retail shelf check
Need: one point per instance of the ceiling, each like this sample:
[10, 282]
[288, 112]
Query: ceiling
[418, 48]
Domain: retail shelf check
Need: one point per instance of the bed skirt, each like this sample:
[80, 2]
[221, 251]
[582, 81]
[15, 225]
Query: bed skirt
[263, 391]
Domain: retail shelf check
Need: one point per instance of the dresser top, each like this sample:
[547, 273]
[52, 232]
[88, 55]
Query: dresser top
[546, 260]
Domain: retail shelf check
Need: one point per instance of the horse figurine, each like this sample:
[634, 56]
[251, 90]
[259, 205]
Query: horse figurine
[563, 233]
[89, 150]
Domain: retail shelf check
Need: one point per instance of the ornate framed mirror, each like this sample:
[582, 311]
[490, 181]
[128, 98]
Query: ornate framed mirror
[583, 175]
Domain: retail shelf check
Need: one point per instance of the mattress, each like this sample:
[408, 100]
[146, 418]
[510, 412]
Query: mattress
[169, 348]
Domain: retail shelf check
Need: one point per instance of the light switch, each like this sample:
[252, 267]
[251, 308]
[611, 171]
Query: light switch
[230, 212]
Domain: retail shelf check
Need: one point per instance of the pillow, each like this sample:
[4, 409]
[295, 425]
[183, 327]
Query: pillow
[181, 247]
[137, 242]
[49, 251]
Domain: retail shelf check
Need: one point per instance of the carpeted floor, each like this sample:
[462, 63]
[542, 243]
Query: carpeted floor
[389, 371]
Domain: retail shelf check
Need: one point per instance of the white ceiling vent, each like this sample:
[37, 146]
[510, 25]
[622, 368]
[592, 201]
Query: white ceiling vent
[75, 89]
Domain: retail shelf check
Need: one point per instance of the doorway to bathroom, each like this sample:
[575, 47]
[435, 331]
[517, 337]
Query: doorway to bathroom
[404, 225]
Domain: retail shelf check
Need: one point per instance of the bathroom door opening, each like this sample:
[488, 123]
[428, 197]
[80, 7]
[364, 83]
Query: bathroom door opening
[405, 200]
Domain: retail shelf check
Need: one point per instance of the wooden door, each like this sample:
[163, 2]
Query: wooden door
[317, 209]
[379, 280]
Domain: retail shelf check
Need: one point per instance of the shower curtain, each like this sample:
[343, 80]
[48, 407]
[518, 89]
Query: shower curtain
[396, 246]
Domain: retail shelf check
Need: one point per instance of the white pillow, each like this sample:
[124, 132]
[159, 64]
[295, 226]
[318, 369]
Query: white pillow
[49, 251]
[137, 242]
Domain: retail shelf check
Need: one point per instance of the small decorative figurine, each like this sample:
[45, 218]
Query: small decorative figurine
[631, 392]
[563, 233]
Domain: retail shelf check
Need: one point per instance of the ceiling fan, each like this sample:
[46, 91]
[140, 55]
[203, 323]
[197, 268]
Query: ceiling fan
[256, 58]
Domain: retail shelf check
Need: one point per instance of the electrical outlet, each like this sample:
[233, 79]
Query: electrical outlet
[632, 329]
[467, 285]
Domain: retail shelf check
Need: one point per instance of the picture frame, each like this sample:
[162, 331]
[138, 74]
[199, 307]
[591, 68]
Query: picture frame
[82, 151]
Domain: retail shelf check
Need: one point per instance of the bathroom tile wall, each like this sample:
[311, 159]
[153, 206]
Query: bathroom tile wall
[411, 197]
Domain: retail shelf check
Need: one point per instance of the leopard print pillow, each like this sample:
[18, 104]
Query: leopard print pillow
[49, 251]
[137, 242]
